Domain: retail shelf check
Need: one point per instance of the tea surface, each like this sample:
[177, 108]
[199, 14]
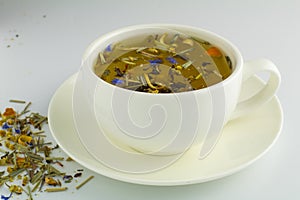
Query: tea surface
[163, 63]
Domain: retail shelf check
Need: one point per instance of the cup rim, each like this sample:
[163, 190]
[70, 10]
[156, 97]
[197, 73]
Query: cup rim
[177, 27]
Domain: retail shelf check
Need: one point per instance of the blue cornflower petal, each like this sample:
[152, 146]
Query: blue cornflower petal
[17, 130]
[117, 81]
[6, 198]
[5, 126]
[108, 48]
[171, 60]
[155, 61]
[205, 63]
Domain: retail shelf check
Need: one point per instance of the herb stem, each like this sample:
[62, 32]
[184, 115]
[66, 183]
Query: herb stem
[40, 121]
[17, 101]
[84, 182]
[54, 158]
[25, 110]
[36, 185]
[56, 189]
[29, 193]
[149, 82]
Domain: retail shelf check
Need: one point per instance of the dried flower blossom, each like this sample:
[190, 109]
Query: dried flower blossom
[171, 60]
[204, 64]
[25, 154]
[16, 189]
[68, 178]
[117, 81]
[214, 52]
[5, 126]
[78, 175]
[51, 181]
[9, 112]
[155, 61]
[6, 198]
[108, 48]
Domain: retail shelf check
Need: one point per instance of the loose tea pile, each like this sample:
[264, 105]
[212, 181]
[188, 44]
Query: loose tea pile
[163, 64]
[27, 157]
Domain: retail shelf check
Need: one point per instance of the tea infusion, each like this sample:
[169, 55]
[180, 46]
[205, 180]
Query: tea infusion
[163, 63]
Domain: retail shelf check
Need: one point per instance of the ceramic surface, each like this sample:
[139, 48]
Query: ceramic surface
[243, 141]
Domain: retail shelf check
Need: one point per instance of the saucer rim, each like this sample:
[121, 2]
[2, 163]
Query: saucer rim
[125, 177]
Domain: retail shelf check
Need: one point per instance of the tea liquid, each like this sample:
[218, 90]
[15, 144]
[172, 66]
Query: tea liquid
[163, 64]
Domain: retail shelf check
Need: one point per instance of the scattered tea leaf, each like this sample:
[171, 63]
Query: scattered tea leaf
[17, 101]
[84, 182]
[25, 155]
[56, 189]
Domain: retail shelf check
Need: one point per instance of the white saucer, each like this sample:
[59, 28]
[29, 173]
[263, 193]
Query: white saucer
[243, 141]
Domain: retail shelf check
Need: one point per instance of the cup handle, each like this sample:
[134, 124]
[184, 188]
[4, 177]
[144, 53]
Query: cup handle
[266, 93]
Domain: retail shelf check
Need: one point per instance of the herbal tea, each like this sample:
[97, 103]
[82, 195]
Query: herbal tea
[163, 63]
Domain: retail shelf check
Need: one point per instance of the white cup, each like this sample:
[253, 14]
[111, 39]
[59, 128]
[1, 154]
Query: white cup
[171, 123]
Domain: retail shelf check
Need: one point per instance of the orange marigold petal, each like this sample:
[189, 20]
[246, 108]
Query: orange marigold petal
[9, 112]
[214, 52]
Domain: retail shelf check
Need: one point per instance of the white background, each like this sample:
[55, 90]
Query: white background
[54, 34]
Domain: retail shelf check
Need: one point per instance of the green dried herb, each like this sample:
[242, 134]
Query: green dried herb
[29, 193]
[56, 189]
[84, 182]
[102, 59]
[25, 109]
[25, 154]
[37, 177]
[187, 64]
[54, 158]
[37, 185]
[17, 101]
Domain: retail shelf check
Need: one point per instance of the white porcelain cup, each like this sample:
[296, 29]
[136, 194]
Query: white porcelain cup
[171, 123]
